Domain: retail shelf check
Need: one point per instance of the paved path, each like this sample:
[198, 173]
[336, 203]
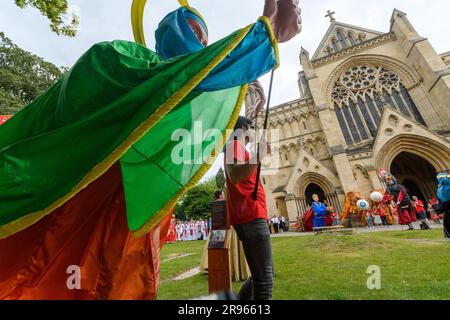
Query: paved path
[358, 230]
[177, 256]
[187, 274]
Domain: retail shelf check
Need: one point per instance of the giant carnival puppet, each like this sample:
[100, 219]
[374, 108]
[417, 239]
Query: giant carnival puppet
[444, 198]
[87, 181]
[318, 215]
[351, 215]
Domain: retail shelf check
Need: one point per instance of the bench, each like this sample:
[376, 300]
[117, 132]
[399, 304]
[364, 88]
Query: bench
[329, 230]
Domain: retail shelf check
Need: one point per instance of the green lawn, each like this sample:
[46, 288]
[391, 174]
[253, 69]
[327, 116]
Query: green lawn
[414, 265]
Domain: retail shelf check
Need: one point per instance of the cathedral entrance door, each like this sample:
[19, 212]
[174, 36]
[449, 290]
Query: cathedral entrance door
[416, 174]
[414, 190]
[311, 189]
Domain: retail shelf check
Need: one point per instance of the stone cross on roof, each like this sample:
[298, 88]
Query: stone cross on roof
[330, 15]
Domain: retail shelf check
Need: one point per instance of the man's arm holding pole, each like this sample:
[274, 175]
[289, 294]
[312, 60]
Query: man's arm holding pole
[286, 22]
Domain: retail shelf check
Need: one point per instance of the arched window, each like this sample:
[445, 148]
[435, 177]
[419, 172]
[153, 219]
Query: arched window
[304, 125]
[264, 180]
[334, 45]
[341, 39]
[286, 157]
[351, 39]
[359, 97]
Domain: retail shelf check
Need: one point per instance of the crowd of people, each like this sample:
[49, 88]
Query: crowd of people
[188, 230]
[410, 209]
[377, 217]
[278, 224]
[386, 207]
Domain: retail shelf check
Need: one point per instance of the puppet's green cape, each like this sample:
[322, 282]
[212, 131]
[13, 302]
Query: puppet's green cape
[120, 102]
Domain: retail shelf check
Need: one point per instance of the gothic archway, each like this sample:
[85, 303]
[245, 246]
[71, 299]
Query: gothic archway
[316, 178]
[435, 153]
[313, 182]
[311, 189]
[416, 174]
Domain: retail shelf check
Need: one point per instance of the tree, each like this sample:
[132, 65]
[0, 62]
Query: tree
[220, 179]
[56, 12]
[23, 76]
[196, 203]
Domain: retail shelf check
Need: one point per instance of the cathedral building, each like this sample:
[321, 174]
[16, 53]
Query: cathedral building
[368, 100]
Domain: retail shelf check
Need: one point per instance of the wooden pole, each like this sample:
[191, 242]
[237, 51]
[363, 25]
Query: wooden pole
[266, 120]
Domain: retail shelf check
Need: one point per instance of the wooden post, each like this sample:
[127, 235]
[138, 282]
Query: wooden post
[219, 258]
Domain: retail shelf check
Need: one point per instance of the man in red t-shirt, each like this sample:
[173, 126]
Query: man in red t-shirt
[249, 216]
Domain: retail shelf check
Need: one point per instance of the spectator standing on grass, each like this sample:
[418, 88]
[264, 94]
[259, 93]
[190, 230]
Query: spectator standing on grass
[335, 217]
[369, 220]
[421, 213]
[377, 218]
[276, 224]
[383, 218]
[270, 224]
[283, 223]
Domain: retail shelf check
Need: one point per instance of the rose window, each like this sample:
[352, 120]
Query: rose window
[359, 96]
[340, 95]
[389, 80]
[359, 77]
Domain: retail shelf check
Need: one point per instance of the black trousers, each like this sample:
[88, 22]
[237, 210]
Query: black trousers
[255, 237]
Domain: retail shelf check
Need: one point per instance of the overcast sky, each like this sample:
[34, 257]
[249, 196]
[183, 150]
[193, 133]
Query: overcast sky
[105, 20]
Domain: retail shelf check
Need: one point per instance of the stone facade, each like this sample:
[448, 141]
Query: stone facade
[368, 100]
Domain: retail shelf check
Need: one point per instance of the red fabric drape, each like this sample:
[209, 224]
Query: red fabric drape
[308, 220]
[90, 231]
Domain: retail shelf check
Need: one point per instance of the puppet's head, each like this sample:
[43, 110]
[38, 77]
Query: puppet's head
[387, 177]
[181, 32]
[390, 180]
[442, 176]
[375, 198]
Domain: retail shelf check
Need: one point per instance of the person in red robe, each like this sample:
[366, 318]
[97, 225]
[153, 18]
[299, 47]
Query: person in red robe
[171, 236]
[405, 209]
